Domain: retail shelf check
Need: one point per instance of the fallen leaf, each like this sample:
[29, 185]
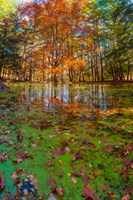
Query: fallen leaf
[60, 191]
[41, 136]
[126, 197]
[48, 163]
[4, 139]
[2, 182]
[94, 174]
[60, 161]
[112, 195]
[86, 180]
[51, 181]
[3, 156]
[61, 174]
[28, 108]
[77, 156]
[89, 192]
[22, 157]
[16, 181]
[16, 172]
[104, 188]
[57, 152]
[77, 174]
[34, 144]
[86, 142]
[74, 180]
[19, 137]
[14, 175]
[126, 162]
[84, 172]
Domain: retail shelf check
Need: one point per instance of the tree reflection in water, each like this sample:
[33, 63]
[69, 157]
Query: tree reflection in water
[93, 96]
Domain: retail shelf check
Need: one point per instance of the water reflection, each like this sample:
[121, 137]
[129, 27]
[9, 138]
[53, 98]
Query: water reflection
[92, 96]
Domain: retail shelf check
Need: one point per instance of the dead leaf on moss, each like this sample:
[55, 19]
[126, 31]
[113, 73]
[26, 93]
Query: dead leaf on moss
[126, 197]
[2, 182]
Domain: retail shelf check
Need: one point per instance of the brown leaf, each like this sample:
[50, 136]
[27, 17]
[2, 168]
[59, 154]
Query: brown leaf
[51, 181]
[19, 137]
[57, 152]
[4, 139]
[2, 182]
[60, 191]
[3, 156]
[84, 172]
[112, 195]
[126, 162]
[77, 156]
[28, 108]
[11, 122]
[88, 192]
[126, 197]
[61, 174]
[22, 157]
[16, 181]
[74, 180]
[77, 174]
[41, 136]
[88, 143]
[86, 180]
[16, 172]
[48, 163]
[108, 148]
[94, 174]
[14, 175]
[104, 188]
[34, 144]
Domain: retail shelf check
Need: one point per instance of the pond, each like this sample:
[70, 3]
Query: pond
[76, 96]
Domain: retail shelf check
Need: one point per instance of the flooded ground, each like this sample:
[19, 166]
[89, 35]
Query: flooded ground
[83, 96]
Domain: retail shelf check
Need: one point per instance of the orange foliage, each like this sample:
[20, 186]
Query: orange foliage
[58, 26]
[76, 64]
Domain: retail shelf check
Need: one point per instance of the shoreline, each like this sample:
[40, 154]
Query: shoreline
[4, 81]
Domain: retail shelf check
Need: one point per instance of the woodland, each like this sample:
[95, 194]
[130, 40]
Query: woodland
[66, 40]
[66, 100]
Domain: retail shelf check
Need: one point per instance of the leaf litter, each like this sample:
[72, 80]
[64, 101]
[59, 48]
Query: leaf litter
[86, 157]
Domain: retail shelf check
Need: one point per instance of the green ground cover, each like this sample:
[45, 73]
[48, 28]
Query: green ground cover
[72, 154]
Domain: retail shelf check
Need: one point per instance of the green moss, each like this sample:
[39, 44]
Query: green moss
[102, 154]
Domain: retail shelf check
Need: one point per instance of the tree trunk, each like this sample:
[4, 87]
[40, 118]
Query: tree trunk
[101, 62]
[30, 73]
[128, 70]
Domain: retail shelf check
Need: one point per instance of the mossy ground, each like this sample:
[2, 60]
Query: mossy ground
[73, 149]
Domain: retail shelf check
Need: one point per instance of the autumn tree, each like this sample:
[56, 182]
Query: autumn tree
[59, 40]
[58, 26]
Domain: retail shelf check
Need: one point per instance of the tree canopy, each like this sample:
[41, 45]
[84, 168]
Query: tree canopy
[61, 40]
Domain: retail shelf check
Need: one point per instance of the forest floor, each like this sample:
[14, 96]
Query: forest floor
[72, 155]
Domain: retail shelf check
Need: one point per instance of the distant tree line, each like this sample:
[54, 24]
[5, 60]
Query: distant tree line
[66, 40]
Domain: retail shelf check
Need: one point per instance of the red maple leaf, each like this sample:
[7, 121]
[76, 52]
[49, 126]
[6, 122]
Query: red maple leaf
[3, 156]
[57, 152]
[88, 192]
[2, 182]
[51, 181]
[60, 191]
[22, 157]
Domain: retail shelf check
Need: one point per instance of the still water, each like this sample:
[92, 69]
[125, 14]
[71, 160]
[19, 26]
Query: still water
[50, 97]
